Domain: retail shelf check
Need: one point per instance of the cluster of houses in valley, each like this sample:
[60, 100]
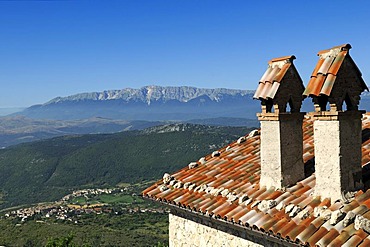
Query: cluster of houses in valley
[54, 211]
[88, 192]
[65, 210]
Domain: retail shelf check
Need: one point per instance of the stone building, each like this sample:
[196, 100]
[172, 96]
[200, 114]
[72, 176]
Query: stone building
[301, 180]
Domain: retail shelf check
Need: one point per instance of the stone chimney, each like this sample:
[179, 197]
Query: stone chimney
[281, 131]
[337, 133]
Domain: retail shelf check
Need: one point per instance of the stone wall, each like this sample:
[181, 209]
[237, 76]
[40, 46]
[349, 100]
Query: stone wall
[190, 230]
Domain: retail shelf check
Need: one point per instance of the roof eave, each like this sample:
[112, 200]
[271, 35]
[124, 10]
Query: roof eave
[251, 231]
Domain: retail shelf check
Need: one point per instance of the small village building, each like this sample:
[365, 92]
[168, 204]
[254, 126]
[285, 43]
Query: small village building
[301, 180]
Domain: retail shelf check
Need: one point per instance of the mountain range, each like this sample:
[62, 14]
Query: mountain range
[150, 103]
[157, 103]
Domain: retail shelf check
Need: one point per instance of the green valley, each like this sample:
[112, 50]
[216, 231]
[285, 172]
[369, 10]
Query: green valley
[92, 217]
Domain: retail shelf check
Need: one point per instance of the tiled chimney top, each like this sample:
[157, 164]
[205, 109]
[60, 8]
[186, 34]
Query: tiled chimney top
[335, 79]
[280, 85]
[281, 157]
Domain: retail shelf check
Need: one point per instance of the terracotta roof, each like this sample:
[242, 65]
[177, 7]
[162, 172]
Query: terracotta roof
[270, 80]
[226, 186]
[325, 73]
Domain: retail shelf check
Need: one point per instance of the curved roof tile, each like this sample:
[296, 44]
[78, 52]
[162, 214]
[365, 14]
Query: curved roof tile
[324, 75]
[270, 80]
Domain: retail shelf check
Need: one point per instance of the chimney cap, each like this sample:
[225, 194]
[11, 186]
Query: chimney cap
[279, 59]
[336, 78]
[345, 47]
[280, 85]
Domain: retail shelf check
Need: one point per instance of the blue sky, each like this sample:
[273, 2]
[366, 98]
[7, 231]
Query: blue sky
[59, 48]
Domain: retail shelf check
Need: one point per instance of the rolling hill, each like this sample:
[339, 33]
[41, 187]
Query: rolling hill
[20, 129]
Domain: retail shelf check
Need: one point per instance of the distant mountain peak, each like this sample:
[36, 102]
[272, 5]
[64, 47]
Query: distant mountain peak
[153, 93]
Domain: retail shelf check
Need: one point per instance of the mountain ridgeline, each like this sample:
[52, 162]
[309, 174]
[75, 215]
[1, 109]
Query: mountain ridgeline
[151, 103]
[48, 169]
[156, 103]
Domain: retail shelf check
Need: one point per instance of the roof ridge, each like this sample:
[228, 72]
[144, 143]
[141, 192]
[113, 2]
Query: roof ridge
[278, 59]
[346, 47]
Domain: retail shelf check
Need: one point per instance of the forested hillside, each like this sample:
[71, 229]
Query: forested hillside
[46, 170]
